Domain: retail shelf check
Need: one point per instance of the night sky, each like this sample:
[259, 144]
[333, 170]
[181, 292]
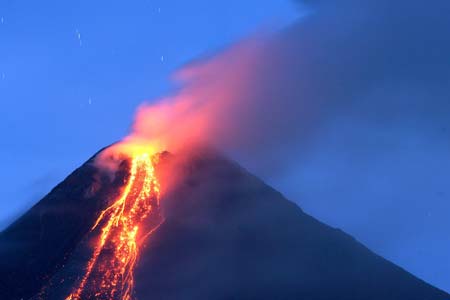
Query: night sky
[73, 73]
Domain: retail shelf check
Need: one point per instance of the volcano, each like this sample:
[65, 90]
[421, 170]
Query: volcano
[209, 230]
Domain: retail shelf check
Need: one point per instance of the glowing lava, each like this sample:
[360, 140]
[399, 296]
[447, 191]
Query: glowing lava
[109, 272]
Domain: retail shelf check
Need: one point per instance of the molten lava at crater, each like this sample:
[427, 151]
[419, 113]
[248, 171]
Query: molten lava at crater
[121, 229]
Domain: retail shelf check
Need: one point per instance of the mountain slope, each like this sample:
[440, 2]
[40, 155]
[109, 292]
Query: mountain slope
[225, 235]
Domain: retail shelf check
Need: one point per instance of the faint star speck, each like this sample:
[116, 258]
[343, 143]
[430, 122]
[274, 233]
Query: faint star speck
[78, 34]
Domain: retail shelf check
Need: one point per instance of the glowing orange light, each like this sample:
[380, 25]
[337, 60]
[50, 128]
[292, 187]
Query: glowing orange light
[109, 272]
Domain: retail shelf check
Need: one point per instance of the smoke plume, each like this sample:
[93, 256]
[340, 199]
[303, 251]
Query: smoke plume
[264, 98]
[355, 93]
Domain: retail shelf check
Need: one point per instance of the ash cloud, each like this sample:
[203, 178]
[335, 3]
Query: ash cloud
[269, 95]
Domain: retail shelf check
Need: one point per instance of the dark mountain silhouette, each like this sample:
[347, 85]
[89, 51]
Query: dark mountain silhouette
[225, 235]
[39, 243]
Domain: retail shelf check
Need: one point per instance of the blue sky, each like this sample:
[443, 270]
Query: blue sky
[73, 73]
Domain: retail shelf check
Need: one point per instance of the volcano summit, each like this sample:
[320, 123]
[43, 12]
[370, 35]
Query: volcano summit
[193, 227]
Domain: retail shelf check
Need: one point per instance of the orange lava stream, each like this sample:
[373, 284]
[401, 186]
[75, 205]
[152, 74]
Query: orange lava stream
[109, 272]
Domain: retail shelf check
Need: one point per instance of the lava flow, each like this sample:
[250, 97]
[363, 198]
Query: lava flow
[109, 272]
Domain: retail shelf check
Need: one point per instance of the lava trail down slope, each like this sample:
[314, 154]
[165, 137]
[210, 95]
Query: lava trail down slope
[109, 272]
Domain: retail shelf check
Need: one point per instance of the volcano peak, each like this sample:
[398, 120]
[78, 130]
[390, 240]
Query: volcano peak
[216, 232]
